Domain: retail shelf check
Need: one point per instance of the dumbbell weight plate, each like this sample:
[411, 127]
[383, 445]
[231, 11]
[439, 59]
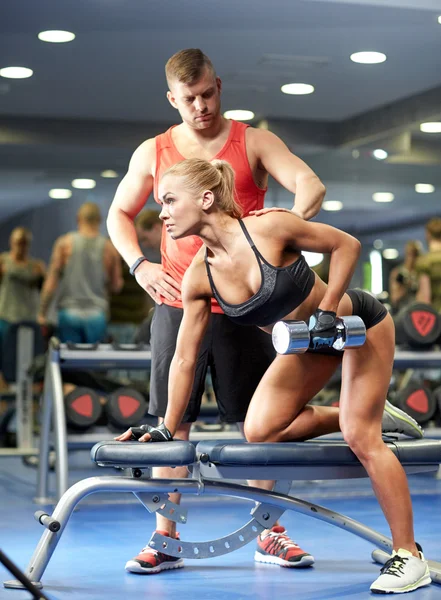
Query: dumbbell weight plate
[125, 407]
[418, 325]
[418, 401]
[83, 408]
[290, 337]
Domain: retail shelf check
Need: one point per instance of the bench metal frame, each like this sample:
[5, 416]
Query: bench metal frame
[153, 494]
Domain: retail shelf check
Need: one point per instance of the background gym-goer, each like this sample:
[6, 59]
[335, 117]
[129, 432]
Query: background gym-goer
[403, 279]
[237, 357]
[83, 269]
[21, 278]
[429, 266]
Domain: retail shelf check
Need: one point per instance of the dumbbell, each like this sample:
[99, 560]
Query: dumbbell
[82, 407]
[294, 337]
[418, 326]
[122, 408]
[125, 407]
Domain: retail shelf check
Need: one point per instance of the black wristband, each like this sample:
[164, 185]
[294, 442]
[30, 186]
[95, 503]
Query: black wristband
[136, 264]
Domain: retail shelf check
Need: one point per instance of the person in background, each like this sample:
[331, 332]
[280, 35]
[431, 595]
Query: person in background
[403, 279]
[428, 266]
[130, 308]
[84, 268]
[21, 277]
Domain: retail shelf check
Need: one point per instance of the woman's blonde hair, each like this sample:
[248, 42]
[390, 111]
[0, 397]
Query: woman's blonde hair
[216, 176]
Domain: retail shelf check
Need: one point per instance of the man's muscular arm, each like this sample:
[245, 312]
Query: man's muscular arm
[290, 171]
[130, 198]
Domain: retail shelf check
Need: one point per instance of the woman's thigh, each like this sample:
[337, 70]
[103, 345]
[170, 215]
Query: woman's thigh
[366, 374]
[290, 382]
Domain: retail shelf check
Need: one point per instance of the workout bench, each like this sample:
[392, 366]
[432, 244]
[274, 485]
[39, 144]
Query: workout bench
[210, 464]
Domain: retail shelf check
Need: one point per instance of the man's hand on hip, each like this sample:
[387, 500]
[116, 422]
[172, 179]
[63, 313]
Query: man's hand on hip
[157, 283]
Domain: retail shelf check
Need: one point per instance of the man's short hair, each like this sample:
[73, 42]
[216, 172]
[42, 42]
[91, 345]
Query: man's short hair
[21, 232]
[90, 213]
[147, 219]
[433, 228]
[187, 66]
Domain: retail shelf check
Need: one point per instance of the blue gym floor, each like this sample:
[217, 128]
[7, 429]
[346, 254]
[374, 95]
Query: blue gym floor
[108, 529]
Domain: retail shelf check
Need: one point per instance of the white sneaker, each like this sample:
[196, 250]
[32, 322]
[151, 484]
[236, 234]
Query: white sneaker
[396, 420]
[402, 573]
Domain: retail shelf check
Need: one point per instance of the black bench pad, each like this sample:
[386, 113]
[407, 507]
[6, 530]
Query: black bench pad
[139, 454]
[313, 452]
[237, 452]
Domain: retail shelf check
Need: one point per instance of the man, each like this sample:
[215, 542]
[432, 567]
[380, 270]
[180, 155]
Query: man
[21, 277]
[428, 266]
[238, 357]
[130, 308]
[403, 279]
[149, 231]
[84, 268]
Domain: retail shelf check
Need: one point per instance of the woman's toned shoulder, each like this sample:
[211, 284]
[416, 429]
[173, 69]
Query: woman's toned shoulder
[195, 283]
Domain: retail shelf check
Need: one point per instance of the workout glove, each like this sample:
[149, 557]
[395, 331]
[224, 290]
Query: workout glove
[158, 434]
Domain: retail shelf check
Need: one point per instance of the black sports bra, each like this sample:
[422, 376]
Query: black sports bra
[281, 291]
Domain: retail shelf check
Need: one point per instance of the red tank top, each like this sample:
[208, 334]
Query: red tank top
[178, 254]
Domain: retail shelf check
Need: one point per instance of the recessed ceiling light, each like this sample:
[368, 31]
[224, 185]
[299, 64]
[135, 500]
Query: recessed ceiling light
[239, 115]
[313, 258]
[368, 58]
[390, 253]
[332, 205]
[297, 89]
[439, 19]
[60, 194]
[16, 72]
[378, 244]
[383, 197]
[431, 127]
[109, 173]
[380, 154]
[84, 184]
[424, 188]
[56, 36]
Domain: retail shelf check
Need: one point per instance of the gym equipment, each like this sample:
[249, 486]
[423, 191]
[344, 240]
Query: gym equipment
[212, 463]
[125, 407]
[294, 337]
[417, 326]
[417, 400]
[21, 343]
[83, 408]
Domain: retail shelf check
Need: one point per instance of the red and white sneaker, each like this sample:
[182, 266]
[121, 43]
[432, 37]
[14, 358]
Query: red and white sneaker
[277, 548]
[150, 561]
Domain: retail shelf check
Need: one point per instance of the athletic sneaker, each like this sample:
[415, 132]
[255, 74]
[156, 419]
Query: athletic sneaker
[150, 561]
[396, 420]
[274, 546]
[402, 573]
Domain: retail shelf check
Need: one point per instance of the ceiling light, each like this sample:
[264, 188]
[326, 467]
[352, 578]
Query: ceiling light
[239, 115]
[60, 194]
[56, 36]
[297, 89]
[390, 253]
[439, 19]
[383, 197]
[380, 154]
[378, 244]
[109, 174]
[431, 127]
[332, 205]
[424, 188]
[84, 184]
[16, 72]
[313, 258]
[368, 58]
